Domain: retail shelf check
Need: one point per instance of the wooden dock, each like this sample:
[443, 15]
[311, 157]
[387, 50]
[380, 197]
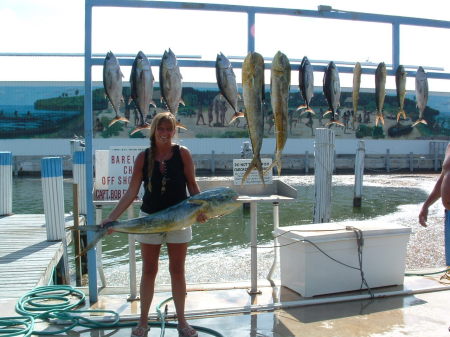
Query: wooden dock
[27, 259]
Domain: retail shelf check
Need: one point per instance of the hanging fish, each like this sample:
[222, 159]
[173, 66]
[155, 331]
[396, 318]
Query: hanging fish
[332, 92]
[400, 85]
[112, 82]
[170, 80]
[253, 92]
[226, 80]
[280, 80]
[380, 91]
[306, 84]
[355, 90]
[421, 94]
[141, 85]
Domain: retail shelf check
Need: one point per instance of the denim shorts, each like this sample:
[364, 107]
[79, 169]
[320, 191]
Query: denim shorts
[178, 236]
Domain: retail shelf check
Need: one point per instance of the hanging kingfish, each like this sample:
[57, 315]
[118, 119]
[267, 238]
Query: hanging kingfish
[306, 84]
[332, 92]
[141, 85]
[421, 94]
[380, 91]
[112, 82]
[400, 85]
[253, 92]
[280, 80]
[170, 80]
[226, 80]
[355, 90]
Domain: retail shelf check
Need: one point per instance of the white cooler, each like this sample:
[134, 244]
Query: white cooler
[309, 272]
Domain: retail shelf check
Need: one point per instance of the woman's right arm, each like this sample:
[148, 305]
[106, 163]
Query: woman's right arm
[132, 191]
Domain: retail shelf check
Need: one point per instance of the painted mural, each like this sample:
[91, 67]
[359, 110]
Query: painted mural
[55, 110]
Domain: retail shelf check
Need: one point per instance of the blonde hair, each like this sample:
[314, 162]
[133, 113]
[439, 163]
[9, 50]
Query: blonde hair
[157, 120]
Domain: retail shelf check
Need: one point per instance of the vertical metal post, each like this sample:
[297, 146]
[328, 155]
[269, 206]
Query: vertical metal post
[306, 162]
[388, 161]
[411, 162]
[276, 224]
[254, 252]
[99, 249]
[251, 32]
[395, 46]
[132, 259]
[91, 255]
[76, 236]
[359, 174]
[213, 162]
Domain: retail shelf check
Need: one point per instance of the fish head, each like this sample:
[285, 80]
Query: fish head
[222, 61]
[280, 62]
[169, 59]
[217, 202]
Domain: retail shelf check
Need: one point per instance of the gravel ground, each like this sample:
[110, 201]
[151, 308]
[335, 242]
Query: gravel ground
[425, 248]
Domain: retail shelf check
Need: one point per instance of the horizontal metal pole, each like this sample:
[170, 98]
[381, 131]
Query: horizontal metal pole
[320, 14]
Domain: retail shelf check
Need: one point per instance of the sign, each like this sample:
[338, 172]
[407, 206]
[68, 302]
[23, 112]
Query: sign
[241, 165]
[113, 171]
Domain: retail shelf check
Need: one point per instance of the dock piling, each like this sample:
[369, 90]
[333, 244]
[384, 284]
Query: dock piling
[5, 183]
[53, 196]
[359, 174]
[323, 170]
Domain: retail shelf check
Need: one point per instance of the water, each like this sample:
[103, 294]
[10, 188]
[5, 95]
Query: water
[221, 246]
[25, 117]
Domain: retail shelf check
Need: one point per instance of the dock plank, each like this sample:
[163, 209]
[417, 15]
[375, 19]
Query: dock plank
[27, 259]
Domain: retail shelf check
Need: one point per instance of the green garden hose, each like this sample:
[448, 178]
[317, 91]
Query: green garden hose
[34, 305]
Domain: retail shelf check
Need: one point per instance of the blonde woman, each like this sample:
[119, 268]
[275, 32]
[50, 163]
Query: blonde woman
[166, 170]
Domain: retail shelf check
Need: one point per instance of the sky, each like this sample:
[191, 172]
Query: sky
[58, 26]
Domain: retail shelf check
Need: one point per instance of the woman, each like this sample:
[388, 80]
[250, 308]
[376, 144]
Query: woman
[166, 169]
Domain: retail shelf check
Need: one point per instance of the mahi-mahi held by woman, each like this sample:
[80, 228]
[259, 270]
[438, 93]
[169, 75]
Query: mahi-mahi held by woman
[213, 203]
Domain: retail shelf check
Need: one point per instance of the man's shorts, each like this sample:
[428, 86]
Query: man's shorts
[178, 236]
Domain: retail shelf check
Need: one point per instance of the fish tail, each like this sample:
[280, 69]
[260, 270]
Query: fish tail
[235, 116]
[401, 113]
[379, 117]
[140, 128]
[277, 163]
[330, 123]
[423, 121]
[309, 109]
[100, 234]
[255, 164]
[181, 126]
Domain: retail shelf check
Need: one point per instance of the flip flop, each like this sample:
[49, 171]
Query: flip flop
[140, 331]
[187, 332]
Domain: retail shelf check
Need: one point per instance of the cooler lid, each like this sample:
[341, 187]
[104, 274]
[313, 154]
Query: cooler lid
[340, 230]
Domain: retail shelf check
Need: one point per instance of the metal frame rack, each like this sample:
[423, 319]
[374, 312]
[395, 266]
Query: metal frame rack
[323, 12]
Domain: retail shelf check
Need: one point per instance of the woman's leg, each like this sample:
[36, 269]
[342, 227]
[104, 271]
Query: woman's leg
[150, 257]
[177, 257]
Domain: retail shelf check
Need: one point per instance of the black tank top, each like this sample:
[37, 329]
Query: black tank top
[174, 190]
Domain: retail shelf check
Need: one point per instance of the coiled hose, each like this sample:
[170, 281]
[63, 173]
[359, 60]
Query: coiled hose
[35, 305]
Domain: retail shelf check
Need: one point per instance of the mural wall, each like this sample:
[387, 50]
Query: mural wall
[55, 110]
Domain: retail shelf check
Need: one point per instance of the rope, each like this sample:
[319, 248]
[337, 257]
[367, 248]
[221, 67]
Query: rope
[56, 304]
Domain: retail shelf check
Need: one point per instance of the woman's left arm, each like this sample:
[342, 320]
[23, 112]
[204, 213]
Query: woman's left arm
[189, 171]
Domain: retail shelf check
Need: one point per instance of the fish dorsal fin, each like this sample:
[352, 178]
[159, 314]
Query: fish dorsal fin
[197, 202]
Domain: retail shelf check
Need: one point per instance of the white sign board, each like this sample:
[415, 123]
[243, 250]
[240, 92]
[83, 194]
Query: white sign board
[241, 165]
[113, 171]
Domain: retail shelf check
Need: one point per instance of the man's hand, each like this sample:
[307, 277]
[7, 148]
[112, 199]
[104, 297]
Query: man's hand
[423, 216]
